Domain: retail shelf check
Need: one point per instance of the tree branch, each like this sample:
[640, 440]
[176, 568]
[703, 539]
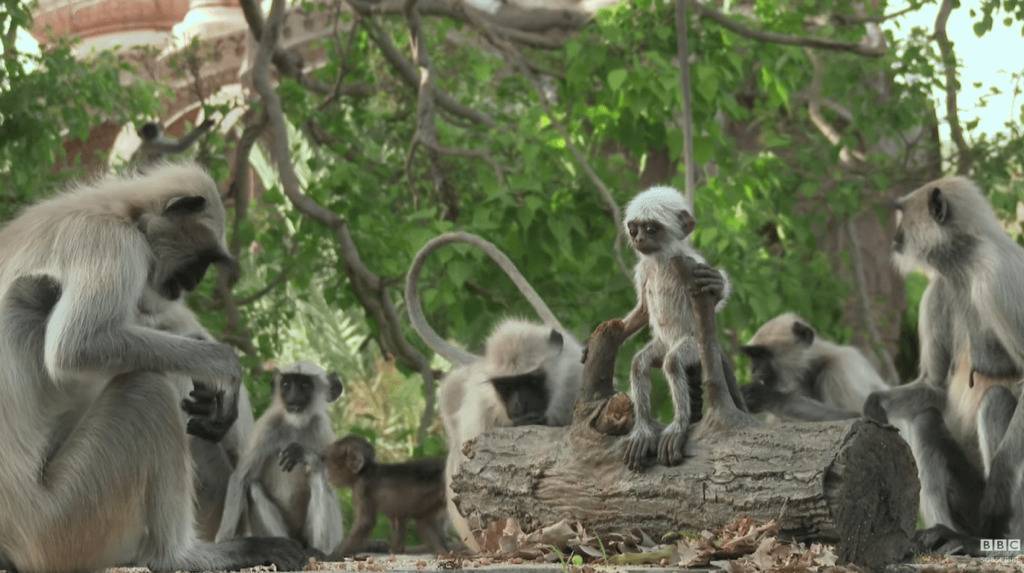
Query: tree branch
[683, 53]
[847, 157]
[964, 157]
[408, 73]
[861, 49]
[366, 285]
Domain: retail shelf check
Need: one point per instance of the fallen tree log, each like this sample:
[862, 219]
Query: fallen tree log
[850, 482]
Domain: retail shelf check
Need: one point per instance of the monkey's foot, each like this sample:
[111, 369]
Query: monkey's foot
[639, 444]
[943, 540]
[873, 408]
[672, 444]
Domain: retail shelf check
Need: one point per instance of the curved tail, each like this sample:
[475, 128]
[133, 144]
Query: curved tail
[412, 299]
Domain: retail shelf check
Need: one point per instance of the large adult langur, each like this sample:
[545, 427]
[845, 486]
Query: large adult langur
[216, 436]
[529, 373]
[278, 499]
[96, 468]
[797, 374]
[960, 416]
[659, 222]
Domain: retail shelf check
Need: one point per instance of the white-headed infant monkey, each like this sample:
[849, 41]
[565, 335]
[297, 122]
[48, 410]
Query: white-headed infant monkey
[659, 222]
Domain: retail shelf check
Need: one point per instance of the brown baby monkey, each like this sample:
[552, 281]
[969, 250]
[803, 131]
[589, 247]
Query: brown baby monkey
[408, 490]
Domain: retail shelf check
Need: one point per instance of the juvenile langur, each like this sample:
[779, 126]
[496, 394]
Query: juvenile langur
[100, 473]
[799, 375]
[156, 145]
[659, 222]
[216, 435]
[410, 490]
[960, 416]
[280, 502]
[529, 373]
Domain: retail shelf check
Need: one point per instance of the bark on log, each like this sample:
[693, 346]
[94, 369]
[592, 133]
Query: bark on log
[851, 482]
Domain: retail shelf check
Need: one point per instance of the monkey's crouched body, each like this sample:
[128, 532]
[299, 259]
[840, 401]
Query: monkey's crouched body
[410, 490]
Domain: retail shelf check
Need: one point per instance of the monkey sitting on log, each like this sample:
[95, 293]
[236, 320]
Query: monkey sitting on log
[409, 490]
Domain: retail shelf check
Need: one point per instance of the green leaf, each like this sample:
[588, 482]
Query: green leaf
[616, 78]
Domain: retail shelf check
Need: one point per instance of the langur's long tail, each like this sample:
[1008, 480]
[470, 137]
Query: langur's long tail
[419, 322]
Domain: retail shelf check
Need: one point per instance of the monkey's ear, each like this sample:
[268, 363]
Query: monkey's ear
[686, 221]
[334, 387]
[938, 206]
[756, 352]
[556, 341]
[803, 333]
[185, 205]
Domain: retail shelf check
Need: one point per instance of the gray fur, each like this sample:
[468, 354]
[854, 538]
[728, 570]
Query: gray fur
[972, 354]
[664, 303]
[469, 404]
[807, 377]
[99, 474]
[297, 504]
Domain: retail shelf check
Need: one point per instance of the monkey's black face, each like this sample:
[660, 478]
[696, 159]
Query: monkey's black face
[296, 391]
[762, 370]
[647, 236]
[525, 396]
[188, 276]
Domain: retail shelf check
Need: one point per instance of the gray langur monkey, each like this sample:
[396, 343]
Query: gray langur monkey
[960, 415]
[100, 473]
[529, 373]
[797, 374]
[157, 145]
[659, 222]
[278, 500]
[216, 437]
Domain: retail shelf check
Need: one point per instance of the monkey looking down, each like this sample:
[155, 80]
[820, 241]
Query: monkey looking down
[93, 394]
[278, 500]
[799, 375]
[410, 490]
[529, 373]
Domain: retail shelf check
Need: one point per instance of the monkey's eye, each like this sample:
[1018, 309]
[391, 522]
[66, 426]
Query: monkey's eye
[651, 228]
[632, 229]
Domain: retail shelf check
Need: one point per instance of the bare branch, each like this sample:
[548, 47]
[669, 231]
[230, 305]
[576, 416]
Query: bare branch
[408, 73]
[862, 49]
[964, 156]
[366, 285]
[848, 157]
[683, 53]
[848, 20]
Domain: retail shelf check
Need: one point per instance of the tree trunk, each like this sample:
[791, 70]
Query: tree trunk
[851, 482]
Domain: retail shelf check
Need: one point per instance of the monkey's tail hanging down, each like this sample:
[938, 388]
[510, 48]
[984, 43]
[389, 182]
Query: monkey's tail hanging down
[439, 345]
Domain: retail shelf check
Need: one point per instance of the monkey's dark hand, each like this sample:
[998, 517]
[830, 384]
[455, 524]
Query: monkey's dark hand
[873, 408]
[757, 395]
[671, 444]
[639, 444]
[707, 281]
[210, 414]
[207, 124]
[291, 456]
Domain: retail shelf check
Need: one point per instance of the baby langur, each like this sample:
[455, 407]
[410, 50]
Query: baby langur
[410, 490]
[528, 374]
[280, 502]
[156, 145]
[659, 222]
[797, 374]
